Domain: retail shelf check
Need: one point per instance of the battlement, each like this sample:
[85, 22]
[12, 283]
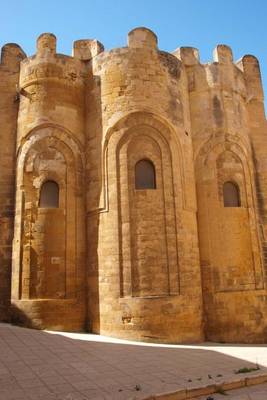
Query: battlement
[11, 56]
[140, 37]
[222, 54]
[86, 49]
[46, 45]
[138, 63]
[250, 67]
[188, 55]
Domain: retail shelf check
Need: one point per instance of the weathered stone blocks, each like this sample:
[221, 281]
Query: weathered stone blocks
[167, 263]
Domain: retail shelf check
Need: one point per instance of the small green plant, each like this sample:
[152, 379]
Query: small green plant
[245, 370]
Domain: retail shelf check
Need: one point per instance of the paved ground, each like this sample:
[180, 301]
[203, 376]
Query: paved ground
[43, 365]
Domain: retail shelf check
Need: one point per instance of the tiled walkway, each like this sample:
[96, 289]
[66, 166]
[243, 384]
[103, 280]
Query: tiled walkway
[43, 365]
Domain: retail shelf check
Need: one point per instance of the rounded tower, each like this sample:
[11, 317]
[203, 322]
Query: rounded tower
[227, 182]
[48, 277]
[143, 263]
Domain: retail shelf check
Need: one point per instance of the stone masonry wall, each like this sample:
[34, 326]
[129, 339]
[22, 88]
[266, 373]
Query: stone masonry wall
[169, 263]
[231, 241]
[11, 56]
[145, 277]
[48, 280]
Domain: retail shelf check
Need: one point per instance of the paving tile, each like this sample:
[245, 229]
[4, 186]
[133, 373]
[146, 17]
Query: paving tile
[36, 392]
[30, 383]
[44, 365]
[84, 384]
[61, 388]
[51, 396]
[55, 379]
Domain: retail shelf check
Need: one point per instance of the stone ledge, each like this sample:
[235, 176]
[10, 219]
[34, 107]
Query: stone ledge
[190, 394]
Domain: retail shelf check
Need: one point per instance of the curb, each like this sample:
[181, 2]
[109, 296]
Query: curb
[188, 394]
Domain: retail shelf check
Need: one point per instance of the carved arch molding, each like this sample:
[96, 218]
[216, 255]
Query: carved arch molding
[147, 219]
[49, 252]
[230, 245]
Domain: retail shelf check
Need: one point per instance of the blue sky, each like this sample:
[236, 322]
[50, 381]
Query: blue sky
[240, 24]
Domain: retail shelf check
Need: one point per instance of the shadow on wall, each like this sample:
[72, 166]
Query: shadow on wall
[18, 317]
[94, 186]
[6, 236]
[5, 311]
[120, 368]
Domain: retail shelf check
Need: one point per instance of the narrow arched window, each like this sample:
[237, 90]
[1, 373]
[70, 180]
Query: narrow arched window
[231, 196]
[145, 176]
[49, 195]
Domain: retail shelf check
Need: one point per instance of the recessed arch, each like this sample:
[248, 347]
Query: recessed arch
[151, 270]
[65, 169]
[230, 159]
[157, 126]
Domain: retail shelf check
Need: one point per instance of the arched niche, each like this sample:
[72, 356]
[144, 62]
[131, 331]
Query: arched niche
[231, 194]
[49, 217]
[229, 242]
[145, 175]
[49, 195]
[148, 209]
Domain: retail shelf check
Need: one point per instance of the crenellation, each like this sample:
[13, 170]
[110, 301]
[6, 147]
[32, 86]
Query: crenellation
[11, 56]
[140, 186]
[142, 37]
[223, 54]
[252, 75]
[86, 49]
[46, 45]
[188, 55]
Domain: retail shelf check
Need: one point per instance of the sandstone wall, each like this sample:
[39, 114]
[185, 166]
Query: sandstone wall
[231, 242]
[48, 282]
[168, 263]
[144, 277]
[11, 56]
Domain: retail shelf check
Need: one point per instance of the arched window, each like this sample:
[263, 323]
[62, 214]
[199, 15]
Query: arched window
[231, 197]
[145, 177]
[49, 195]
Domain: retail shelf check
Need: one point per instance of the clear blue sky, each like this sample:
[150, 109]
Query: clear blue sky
[241, 24]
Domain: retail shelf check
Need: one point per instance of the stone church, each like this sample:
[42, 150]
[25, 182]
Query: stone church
[133, 191]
